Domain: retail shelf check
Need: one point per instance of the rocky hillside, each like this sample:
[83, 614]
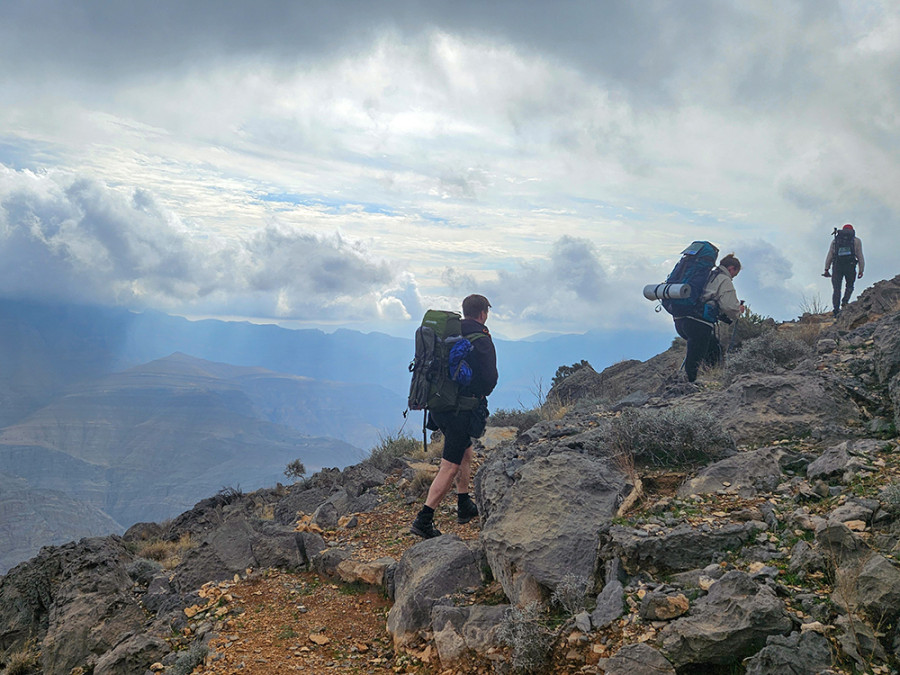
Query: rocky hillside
[747, 523]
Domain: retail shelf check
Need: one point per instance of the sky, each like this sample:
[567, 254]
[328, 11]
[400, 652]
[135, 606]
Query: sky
[352, 163]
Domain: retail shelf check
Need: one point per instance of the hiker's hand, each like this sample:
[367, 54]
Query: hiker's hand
[859, 276]
[826, 274]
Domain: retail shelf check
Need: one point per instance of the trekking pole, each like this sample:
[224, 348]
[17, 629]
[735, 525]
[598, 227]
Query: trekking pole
[425, 431]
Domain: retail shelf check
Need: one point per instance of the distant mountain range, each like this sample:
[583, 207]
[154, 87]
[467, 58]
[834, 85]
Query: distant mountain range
[108, 417]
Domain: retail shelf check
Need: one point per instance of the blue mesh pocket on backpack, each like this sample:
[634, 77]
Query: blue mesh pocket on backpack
[460, 370]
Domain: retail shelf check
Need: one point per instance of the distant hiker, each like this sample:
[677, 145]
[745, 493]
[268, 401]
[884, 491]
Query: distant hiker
[844, 253]
[718, 293]
[460, 426]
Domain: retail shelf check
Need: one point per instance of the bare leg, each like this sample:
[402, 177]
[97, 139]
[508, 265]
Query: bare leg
[442, 483]
[465, 472]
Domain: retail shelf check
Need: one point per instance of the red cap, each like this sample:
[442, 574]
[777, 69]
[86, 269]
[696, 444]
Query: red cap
[848, 226]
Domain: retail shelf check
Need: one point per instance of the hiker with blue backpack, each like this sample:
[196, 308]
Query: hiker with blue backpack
[844, 254]
[454, 370]
[698, 294]
[699, 331]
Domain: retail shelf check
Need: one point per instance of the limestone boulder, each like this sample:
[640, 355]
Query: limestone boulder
[545, 511]
[807, 653]
[731, 622]
[761, 408]
[744, 474]
[677, 549]
[428, 572]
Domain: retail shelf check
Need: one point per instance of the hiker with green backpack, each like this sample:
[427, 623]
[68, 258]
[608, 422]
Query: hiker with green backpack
[454, 370]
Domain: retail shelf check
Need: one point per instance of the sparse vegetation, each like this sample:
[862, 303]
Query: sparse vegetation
[391, 446]
[230, 494]
[812, 304]
[890, 498]
[527, 637]
[669, 437]
[190, 659]
[564, 371]
[571, 594]
[766, 353]
[168, 553]
[22, 662]
[521, 419]
[295, 470]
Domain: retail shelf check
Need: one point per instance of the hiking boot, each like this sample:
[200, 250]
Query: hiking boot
[835, 312]
[465, 511]
[424, 527]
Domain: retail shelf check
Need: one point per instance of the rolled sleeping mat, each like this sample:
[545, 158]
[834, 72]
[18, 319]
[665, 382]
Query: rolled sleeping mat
[664, 291]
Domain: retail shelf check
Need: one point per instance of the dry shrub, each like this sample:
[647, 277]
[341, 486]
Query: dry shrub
[667, 437]
[418, 486]
[571, 594]
[521, 419]
[168, 553]
[392, 446]
[527, 637]
[766, 353]
[22, 662]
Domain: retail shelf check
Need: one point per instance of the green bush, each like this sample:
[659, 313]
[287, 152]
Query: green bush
[527, 637]
[765, 353]
[390, 447]
[295, 469]
[668, 437]
[564, 371]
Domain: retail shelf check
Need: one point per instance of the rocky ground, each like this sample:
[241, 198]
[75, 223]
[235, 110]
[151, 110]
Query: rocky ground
[747, 523]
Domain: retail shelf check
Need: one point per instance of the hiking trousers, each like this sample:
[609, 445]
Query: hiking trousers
[702, 345]
[840, 273]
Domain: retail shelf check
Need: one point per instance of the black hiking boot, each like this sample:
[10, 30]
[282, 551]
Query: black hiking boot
[424, 527]
[465, 511]
[835, 312]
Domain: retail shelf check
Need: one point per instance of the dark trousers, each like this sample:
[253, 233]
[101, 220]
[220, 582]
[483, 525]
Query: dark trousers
[702, 345]
[847, 274]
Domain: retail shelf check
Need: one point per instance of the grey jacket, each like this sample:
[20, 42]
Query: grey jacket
[857, 248]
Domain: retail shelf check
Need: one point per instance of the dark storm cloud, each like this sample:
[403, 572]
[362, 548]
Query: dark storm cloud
[634, 45]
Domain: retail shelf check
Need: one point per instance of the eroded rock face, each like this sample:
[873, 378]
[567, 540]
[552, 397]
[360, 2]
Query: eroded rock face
[637, 659]
[732, 622]
[76, 599]
[427, 572]
[765, 408]
[806, 653]
[743, 473]
[551, 509]
[677, 549]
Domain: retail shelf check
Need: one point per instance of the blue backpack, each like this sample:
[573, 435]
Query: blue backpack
[697, 262]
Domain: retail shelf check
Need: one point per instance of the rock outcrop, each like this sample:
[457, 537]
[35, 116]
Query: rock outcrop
[775, 554]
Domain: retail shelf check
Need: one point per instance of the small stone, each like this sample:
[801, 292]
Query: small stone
[319, 639]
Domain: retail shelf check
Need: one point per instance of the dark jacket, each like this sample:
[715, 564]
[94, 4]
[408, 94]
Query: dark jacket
[483, 360]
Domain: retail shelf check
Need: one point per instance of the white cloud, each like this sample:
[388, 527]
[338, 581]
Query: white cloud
[333, 162]
[71, 238]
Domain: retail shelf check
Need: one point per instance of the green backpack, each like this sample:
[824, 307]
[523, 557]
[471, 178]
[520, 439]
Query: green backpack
[434, 387]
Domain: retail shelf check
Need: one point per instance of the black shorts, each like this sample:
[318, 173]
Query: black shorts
[459, 429]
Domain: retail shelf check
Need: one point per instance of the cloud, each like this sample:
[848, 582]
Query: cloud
[75, 239]
[561, 288]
